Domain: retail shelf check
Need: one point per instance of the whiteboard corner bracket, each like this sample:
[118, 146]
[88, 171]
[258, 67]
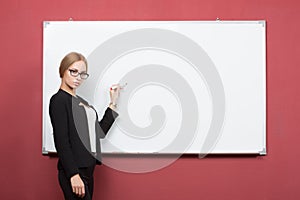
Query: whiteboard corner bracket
[262, 22]
[44, 151]
[263, 152]
[46, 23]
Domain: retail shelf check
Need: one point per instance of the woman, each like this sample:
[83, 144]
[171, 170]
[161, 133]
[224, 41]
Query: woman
[77, 130]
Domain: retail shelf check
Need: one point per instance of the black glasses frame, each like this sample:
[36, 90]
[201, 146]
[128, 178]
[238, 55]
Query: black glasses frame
[75, 73]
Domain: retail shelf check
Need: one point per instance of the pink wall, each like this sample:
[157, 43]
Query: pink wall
[26, 174]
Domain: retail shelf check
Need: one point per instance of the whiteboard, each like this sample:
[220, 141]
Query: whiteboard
[192, 86]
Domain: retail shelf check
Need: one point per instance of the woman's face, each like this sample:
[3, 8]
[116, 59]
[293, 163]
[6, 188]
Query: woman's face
[72, 77]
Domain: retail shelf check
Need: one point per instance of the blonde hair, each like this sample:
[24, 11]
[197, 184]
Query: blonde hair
[68, 60]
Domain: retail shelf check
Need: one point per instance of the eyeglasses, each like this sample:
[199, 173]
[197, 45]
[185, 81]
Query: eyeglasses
[75, 73]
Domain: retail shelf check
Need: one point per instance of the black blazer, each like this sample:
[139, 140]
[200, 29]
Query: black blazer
[71, 135]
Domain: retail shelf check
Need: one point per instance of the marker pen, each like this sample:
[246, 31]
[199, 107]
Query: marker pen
[115, 87]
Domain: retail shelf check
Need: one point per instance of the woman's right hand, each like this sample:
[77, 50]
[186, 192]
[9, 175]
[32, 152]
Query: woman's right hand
[114, 95]
[77, 185]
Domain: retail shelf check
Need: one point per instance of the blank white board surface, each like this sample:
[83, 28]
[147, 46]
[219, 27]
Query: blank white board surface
[192, 86]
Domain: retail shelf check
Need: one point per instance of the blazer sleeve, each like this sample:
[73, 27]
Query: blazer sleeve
[106, 122]
[59, 120]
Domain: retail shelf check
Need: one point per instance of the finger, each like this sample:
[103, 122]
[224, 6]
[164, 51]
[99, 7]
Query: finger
[79, 192]
[76, 191]
[117, 86]
[114, 87]
[83, 191]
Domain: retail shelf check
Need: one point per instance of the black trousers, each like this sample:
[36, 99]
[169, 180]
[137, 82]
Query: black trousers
[87, 176]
